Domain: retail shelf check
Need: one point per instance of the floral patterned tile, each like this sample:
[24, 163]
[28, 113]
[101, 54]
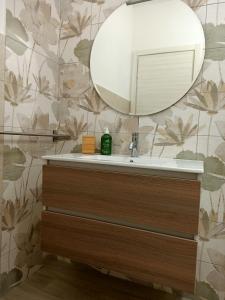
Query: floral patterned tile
[121, 143]
[35, 25]
[2, 56]
[35, 116]
[210, 146]
[75, 33]
[175, 135]
[8, 236]
[94, 30]
[146, 141]
[214, 1]
[29, 69]
[214, 67]
[209, 107]
[18, 105]
[147, 125]
[72, 146]
[102, 9]
[210, 282]
[2, 106]
[22, 184]
[161, 118]
[76, 48]
[21, 261]
[195, 4]
[101, 116]
[69, 10]
[212, 202]
[74, 80]
[200, 10]
[214, 27]
[161, 149]
[196, 85]
[212, 239]
[25, 152]
[5, 264]
[21, 202]
[216, 13]
[212, 125]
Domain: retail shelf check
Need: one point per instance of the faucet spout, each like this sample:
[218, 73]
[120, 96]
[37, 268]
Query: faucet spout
[133, 147]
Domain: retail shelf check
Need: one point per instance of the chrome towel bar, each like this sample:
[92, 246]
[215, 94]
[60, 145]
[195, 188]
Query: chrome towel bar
[55, 136]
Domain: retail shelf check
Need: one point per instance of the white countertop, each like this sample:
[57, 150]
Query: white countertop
[143, 162]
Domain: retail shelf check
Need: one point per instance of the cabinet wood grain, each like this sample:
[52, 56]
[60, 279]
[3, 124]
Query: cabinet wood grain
[140, 255]
[168, 204]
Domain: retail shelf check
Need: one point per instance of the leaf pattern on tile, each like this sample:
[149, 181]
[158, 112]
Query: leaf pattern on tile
[10, 279]
[35, 147]
[175, 132]
[14, 212]
[74, 80]
[61, 111]
[214, 169]
[76, 25]
[17, 48]
[195, 4]
[66, 9]
[37, 19]
[83, 51]
[215, 38]
[99, 2]
[217, 277]
[214, 176]
[204, 291]
[15, 28]
[92, 102]
[75, 127]
[15, 93]
[13, 163]
[37, 192]
[211, 101]
[160, 118]
[220, 150]
[28, 244]
[43, 85]
[208, 226]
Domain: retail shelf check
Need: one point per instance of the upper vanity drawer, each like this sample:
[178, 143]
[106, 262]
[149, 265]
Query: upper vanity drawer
[163, 204]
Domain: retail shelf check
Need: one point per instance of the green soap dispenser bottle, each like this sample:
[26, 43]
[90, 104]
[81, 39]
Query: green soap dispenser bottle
[106, 143]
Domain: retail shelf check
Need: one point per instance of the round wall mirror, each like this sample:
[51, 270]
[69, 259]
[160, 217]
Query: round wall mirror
[146, 56]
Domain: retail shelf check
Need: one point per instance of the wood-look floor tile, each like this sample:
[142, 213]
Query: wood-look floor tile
[61, 281]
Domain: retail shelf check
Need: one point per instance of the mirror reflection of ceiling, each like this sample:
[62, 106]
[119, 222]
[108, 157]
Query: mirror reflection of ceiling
[147, 56]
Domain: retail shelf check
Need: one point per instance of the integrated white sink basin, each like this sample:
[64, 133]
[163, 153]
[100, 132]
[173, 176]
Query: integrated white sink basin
[143, 162]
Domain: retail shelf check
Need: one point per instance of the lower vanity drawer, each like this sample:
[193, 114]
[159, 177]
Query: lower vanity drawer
[140, 255]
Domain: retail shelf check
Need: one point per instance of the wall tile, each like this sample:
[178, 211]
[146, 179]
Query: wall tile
[39, 32]
[30, 69]
[208, 249]
[101, 12]
[195, 4]
[209, 286]
[75, 80]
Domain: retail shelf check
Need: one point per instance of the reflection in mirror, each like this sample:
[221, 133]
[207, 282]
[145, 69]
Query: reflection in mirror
[147, 56]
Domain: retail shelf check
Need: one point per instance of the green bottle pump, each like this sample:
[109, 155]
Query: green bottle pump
[106, 143]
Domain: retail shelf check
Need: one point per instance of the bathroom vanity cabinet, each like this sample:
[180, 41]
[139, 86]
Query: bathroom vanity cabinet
[141, 223]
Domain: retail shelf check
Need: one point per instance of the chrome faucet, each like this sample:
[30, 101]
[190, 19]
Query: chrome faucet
[133, 147]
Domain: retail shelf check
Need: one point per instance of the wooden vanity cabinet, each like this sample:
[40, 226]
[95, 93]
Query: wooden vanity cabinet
[140, 225]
